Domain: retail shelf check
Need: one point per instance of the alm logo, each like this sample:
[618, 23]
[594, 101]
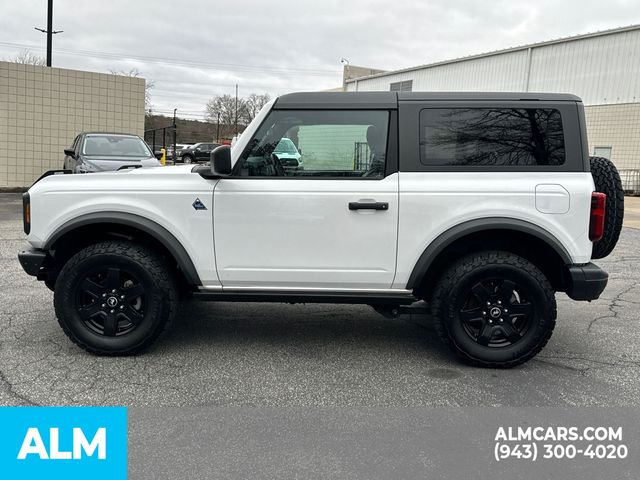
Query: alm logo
[34, 445]
[63, 442]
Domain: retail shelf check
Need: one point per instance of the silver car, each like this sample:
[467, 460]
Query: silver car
[97, 152]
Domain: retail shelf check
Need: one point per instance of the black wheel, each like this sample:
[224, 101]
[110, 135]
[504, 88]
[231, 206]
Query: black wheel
[115, 298]
[607, 180]
[494, 309]
[186, 159]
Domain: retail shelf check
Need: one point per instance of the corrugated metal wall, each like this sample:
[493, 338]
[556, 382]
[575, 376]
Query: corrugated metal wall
[602, 69]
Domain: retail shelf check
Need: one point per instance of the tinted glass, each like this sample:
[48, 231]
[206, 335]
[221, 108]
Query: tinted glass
[115, 145]
[330, 143]
[491, 137]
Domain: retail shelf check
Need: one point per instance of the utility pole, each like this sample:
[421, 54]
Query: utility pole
[175, 135]
[49, 31]
[236, 110]
[218, 129]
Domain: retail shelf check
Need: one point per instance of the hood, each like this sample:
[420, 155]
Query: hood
[107, 163]
[179, 178]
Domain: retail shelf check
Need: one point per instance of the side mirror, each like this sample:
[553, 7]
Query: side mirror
[221, 161]
[70, 152]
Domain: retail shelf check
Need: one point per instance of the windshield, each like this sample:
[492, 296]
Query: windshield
[116, 146]
[286, 146]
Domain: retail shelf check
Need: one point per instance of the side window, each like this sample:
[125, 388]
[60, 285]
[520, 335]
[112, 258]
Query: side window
[491, 137]
[318, 143]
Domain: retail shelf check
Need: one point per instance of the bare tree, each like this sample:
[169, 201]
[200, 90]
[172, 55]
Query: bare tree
[253, 105]
[224, 108]
[28, 58]
[149, 85]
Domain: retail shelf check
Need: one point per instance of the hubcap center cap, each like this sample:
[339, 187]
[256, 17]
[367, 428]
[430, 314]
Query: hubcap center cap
[495, 312]
[112, 301]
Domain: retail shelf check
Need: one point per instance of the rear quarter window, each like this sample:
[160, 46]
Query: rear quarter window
[485, 137]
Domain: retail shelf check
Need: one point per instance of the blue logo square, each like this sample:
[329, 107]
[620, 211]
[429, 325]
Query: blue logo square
[63, 442]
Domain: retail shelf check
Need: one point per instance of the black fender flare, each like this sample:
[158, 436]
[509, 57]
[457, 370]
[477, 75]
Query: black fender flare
[443, 240]
[157, 231]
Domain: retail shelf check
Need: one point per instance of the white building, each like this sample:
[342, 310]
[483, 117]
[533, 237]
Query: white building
[603, 68]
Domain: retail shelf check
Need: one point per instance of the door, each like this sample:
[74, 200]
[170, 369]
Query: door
[327, 226]
[204, 152]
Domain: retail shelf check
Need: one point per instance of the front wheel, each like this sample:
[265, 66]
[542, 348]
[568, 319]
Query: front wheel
[494, 309]
[115, 298]
[186, 159]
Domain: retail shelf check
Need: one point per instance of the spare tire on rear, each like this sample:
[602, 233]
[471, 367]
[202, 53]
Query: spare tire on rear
[607, 180]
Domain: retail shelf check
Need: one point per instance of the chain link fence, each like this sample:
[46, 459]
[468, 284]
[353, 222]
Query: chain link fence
[630, 181]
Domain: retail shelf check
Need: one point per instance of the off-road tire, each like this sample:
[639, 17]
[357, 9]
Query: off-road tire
[160, 296]
[460, 279]
[607, 180]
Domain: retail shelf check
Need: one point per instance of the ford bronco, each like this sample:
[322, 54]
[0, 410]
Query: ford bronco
[474, 207]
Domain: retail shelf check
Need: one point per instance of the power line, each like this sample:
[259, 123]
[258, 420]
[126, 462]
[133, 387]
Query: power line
[184, 63]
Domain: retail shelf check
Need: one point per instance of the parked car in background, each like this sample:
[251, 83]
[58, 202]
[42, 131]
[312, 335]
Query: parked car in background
[288, 154]
[97, 152]
[179, 147]
[182, 146]
[198, 152]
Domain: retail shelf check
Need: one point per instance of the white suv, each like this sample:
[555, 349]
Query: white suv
[481, 205]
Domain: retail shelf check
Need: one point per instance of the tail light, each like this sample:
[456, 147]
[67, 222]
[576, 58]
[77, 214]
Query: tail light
[26, 213]
[598, 209]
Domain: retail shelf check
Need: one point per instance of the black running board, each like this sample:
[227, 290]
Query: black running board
[307, 297]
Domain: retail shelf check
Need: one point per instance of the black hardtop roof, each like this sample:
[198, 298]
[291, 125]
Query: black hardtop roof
[338, 100]
[389, 100]
[491, 96]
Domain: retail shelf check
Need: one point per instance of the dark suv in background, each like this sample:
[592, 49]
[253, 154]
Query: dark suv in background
[97, 152]
[199, 152]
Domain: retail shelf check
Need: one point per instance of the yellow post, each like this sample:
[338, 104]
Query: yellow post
[163, 159]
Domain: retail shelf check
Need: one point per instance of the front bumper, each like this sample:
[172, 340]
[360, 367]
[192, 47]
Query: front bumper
[585, 282]
[31, 260]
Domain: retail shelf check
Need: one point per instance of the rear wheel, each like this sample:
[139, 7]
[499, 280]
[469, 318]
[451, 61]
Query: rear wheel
[494, 309]
[114, 298]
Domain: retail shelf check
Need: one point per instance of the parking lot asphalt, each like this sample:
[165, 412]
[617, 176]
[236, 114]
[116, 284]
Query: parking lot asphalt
[230, 354]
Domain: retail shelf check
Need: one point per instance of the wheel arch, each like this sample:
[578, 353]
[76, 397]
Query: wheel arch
[123, 224]
[517, 236]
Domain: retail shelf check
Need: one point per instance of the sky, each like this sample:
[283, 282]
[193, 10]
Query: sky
[194, 49]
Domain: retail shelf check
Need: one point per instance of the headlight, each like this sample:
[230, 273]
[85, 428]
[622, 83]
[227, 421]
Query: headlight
[84, 168]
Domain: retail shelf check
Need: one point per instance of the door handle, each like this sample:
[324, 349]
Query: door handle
[368, 206]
